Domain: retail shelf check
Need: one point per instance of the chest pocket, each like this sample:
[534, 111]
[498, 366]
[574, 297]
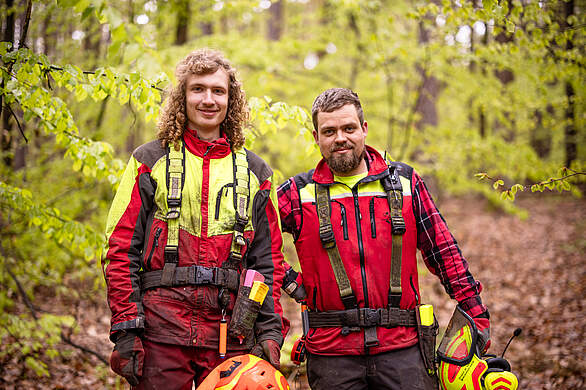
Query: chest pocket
[224, 213]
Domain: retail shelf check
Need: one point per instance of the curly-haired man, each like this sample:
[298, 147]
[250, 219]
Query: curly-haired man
[194, 210]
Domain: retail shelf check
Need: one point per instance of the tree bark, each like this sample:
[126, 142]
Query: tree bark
[276, 21]
[183, 19]
[6, 139]
[570, 132]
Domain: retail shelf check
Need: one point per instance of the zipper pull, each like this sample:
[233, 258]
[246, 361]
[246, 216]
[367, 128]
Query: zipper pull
[209, 147]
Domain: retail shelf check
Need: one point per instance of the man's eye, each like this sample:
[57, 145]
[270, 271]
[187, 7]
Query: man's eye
[197, 89]
[219, 91]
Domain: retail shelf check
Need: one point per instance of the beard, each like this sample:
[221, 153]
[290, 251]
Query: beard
[346, 162]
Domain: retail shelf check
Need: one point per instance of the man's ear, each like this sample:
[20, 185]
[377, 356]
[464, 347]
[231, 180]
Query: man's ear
[315, 136]
[365, 128]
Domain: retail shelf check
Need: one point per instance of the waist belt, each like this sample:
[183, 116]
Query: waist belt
[196, 274]
[363, 318]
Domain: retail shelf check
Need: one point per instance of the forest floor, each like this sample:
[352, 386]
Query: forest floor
[534, 277]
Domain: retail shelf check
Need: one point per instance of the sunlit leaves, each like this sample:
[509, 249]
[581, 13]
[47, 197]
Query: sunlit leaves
[25, 86]
[74, 235]
[267, 117]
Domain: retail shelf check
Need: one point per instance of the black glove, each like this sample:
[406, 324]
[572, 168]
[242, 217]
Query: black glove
[128, 357]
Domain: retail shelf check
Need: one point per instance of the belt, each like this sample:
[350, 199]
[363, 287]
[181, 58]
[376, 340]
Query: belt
[196, 275]
[363, 318]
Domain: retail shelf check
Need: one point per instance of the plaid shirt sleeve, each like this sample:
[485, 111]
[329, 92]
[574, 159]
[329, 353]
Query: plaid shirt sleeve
[441, 252]
[289, 207]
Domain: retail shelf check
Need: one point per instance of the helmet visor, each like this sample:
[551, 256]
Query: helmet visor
[459, 342]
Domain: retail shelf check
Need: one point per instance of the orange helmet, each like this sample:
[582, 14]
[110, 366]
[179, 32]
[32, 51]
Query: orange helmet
[244, 372]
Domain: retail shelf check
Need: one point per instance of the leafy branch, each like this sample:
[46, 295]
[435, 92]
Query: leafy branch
[553, 183]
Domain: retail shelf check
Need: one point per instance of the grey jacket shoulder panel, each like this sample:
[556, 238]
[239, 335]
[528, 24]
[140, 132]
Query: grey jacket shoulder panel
[258, 166]
[149, 153]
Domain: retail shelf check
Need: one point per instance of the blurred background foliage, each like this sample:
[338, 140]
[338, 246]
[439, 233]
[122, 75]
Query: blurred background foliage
[462, 90]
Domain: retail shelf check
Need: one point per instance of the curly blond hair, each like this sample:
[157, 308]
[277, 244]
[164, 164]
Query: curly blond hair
[173, 117]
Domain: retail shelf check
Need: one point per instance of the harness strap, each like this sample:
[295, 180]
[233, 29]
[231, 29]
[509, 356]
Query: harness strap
[363, 318]
[241, 200]
[194, 275]
[175, 180]
[394, 189]
[326, 234]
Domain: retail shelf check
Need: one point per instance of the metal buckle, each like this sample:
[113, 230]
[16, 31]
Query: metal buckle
[398, 224]
[326, 235]
[371, 317]
[171, 203]
[204, 275]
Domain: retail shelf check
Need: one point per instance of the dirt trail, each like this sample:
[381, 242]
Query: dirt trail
[533, 272]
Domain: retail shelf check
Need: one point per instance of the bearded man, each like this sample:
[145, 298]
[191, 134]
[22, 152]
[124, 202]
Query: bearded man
[357, 221]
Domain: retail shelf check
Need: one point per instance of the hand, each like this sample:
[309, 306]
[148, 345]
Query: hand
[483, 326]
[268, 350]
[128, 357]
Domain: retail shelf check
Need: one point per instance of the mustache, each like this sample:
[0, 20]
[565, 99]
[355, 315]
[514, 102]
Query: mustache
[346, 145]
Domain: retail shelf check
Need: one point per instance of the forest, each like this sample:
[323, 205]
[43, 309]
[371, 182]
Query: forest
[485, 98]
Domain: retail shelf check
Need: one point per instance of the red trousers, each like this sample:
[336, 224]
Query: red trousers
[176, 367]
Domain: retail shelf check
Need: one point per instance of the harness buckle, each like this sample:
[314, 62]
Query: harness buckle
[398, 224]
[326, 235]
[172, 202]
[204, 275]
[370, 317]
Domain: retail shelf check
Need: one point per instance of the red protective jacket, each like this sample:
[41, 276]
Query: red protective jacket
[137, 233]
[360, 218]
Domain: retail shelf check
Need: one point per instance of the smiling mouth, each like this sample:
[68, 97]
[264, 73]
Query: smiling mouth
[208, 112]
[342, 150]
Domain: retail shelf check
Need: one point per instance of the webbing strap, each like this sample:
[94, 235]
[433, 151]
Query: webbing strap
[194, 275]
[394, 191]
[241, 200]
[328, 241]
[363, 318]
[175, 179]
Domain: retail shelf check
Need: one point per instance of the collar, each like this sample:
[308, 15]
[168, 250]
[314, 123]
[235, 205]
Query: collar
[377, 167]
[215, 149]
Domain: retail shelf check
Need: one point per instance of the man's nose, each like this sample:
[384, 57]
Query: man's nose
[340, 136]
[207, 97]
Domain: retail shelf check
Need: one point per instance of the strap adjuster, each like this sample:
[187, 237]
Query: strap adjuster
[326, 235]
[171, 255]
[172, 202]
[398, 224]
[370, 317]
[204, 275]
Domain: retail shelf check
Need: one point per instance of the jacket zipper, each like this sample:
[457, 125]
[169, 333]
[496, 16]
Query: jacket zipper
[344, 221]
[154, 246]
[219, 198]
[414, 290]
[360, 245]
[372, 221]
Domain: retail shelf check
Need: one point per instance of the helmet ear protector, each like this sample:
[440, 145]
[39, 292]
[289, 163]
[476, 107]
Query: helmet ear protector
[460, 364]
[497, 364]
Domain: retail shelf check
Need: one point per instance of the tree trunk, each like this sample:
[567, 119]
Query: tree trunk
[541, 136]
[275, 21]
[570, 133]
[431, 86]
[6, 139]
[183, 19]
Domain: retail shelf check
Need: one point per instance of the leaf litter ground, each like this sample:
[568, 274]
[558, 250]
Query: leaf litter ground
[533, 272]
